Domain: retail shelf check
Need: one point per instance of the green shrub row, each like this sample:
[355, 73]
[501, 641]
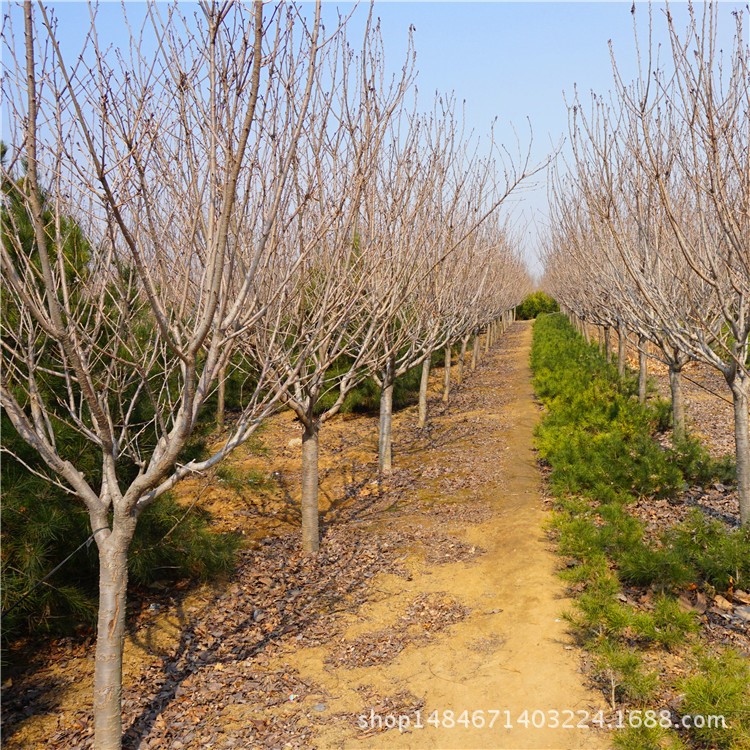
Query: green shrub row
[365, 397]
[535, 304]
[599, 443]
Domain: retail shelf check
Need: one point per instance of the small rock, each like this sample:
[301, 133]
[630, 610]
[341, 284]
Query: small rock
[319, 707]
[294, 443]
[742, 613]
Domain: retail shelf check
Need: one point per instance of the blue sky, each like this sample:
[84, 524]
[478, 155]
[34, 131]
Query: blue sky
[514, 60]
[506, 60]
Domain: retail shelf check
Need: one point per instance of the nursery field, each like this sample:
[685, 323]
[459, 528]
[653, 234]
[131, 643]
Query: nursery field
[435, 614]
[320, 431]
[433, 591]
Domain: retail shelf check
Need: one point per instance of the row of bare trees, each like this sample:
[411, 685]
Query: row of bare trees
[251, 194]
[651, 228]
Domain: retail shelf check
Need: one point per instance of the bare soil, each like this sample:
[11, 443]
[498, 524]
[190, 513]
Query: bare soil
[434, 591]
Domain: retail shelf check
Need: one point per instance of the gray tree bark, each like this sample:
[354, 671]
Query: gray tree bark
[606, 343]
[385, 432]
[221, 398]
[621, 349]
[474, 352]
[110, 639]
[678, 406]
[461, 360]
[424, 381]
[310, 531]
[642, 368]
[447, 374]
[740, 389]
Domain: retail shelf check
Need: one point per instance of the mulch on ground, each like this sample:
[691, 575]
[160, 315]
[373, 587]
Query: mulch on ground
[216, 688]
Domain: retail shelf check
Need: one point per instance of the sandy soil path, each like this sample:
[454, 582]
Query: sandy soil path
[511, 654]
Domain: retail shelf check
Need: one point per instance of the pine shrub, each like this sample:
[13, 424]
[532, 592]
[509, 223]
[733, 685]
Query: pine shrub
[647, 738]
[535, 304]
[42, 526]
[718, 555]
[598, 441]
[623, 670]
[720, 688]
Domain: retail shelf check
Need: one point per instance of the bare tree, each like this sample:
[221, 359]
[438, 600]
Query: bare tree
[663, 175]
[323, 333]
[459, 280]
[616, 230]
[158, 152]
[694, 124]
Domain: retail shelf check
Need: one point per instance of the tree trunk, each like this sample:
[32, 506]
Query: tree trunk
[447, 374]
[310, 533]
[221, 397]
[487, 340]
[606, 343]
[742, 439]
[678, 407]
[642, 368]
[110, 639]
[474, 352]
[386, 426]
[622, 341]
[460, 373]
[585, 330]
[423, 383]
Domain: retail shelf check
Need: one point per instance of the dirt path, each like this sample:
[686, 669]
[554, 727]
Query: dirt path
[511, 653]
[435, 591]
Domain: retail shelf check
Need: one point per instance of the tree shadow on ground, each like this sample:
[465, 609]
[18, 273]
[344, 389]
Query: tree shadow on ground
[265, 605]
